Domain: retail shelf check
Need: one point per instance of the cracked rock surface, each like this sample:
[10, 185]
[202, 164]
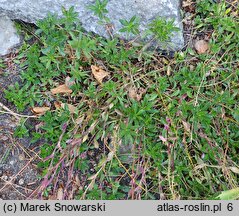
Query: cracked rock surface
[8, 35]
[31, 11]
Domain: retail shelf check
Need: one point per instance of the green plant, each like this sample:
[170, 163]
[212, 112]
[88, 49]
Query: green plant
[21, 96]
[2, 65]
[131, 26]
[82, 45]
[99, 9]
[161, 29]
[21, 131]
[151, 126]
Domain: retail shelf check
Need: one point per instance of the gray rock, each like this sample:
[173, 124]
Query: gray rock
[33, 10]
[8, 35]
[21, 182]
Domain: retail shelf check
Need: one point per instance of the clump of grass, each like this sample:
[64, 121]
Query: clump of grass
[179, 117]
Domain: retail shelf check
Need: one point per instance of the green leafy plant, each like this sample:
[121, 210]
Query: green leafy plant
[20, 96]
[131, 26]
[162, 29]
[145, 127]
[21, 131]
[82, 45]
[2, 65]
[99, 9]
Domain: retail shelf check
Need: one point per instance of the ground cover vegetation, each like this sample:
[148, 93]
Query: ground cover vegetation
[119, 120]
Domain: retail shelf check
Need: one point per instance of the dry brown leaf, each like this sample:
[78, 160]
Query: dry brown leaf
[85, 138]
[110, 156]
[169, 70]
[40, 110]
[69, 82]
[59, 105]
[132, 93]
[99, 73]
[77, 181]
[135, 93]
[71, 108]
[79, 120]
[187, 3]
[61, 89]
[186, 126]
[234, 169]
[189, 6]
[60, 194]
[96, 144]
[51, 197]
[38, 126]
[201, 46]
[200, 166]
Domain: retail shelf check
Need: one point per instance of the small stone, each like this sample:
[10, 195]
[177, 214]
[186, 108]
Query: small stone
[12, 124]
[12, 162]
[21, 157]
[21, 181]
[201, 46]
[4, 178]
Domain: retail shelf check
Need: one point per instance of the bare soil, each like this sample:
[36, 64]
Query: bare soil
[18, 158]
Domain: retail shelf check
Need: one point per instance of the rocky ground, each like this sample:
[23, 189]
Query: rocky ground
[18, 170]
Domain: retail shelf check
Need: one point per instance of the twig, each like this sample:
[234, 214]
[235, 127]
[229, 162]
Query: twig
[16, 115]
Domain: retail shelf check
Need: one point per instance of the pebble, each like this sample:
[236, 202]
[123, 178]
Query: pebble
[21, 157]
[21, 181]
[4, 178]
[12, 162]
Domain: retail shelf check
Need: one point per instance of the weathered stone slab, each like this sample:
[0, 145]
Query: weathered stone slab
[147, 10]
[8, 35]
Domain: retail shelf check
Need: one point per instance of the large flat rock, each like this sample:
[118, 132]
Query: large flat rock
[147, 10]
[8, 35]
